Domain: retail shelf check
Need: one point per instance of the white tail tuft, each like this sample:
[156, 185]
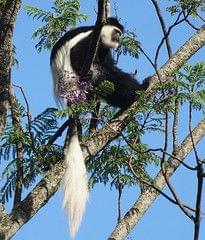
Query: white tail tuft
[75, 185]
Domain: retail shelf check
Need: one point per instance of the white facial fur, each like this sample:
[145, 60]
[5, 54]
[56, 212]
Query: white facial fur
[106, 36]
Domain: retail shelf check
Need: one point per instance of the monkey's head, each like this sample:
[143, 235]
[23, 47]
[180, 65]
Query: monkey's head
[111, 33]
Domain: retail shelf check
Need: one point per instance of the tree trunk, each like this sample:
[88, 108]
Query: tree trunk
[8, 12]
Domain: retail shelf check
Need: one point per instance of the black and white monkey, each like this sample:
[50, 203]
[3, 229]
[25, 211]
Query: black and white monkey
[67, 59]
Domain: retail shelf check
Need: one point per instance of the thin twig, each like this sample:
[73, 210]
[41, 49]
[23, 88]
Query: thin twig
[174, 157]
[166, 134]
[200, 17]
[175, 124]
[163, 26]
[177, 22]
[179, 203]
[28, 115]
[189, 22]
[157, 189]
[190, 131]
[191, 25]
[16, 122]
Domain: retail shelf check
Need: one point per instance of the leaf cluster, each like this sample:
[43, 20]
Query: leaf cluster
[112, 165]
[36, 153]
[63, 14]
[192, 85]
[129, 45]
[190, 6]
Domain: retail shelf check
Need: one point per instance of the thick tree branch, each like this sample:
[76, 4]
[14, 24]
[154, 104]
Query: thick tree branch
[150, 184]
[8, 14]
[2, 212]
[147, 197]
[40, 195]
[49, 184]
[113, 129]
[196, 42]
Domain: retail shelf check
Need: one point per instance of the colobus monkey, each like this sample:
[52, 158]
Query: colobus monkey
[67, 59]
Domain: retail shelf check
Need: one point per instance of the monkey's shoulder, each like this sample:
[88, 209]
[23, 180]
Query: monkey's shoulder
[67, 37]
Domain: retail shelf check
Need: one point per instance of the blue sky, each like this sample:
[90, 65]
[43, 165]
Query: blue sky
[163, 220]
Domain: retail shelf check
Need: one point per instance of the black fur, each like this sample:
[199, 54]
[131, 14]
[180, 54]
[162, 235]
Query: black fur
[66, 37]
[114, 22]
[125, 85]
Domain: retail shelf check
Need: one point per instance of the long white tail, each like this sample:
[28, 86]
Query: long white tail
[75, 185]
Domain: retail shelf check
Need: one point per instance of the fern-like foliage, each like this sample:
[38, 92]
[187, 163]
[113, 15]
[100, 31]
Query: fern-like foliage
[36, 152]
[192, 85]
[63, 14]
[113, 165]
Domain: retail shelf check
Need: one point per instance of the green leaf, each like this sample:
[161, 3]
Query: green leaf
[63, 15]
[129, 45]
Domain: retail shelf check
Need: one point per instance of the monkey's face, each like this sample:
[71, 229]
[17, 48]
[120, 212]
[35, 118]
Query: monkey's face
[110, 36]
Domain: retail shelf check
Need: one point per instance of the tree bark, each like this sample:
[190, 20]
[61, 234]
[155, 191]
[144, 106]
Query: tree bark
[40, 195]
[46, 188]
[8, 13]
[113, 129]
[147, 197]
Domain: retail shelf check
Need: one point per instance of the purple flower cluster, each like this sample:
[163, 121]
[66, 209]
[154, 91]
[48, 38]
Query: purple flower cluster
[86, 116]
[72, 89]
[79, 95]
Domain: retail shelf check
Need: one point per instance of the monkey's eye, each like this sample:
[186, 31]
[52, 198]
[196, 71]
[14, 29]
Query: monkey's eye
[118, 32]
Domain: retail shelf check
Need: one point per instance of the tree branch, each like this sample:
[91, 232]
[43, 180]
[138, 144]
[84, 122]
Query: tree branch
[34, 201]
[200, 182]
[2, 211]
[150, 184]
[49, 184]
[7, 19]
[164, 28]
[16, 122]
[111, 131]
[92, 50]
[174, 194]
[147, 197]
